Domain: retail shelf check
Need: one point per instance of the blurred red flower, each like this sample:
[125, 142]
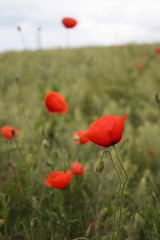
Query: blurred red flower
[69, 22]
[157, 50]
[139, 66]
[58, 179]
[143, 55]
[79, 136]
[150, 152]
[9, 132]
[106, 130]
[55, 102]
[121, 46]
[77, 168]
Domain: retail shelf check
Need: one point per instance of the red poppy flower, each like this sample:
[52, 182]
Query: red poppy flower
[150, 152]
[55, 102]
[69, 22]
[58, 179]
[9, 132]
[120, 46]
[106, 130]
[139, 66]
[80, 136]
[77, 168]
[157, 50]
[143, 55]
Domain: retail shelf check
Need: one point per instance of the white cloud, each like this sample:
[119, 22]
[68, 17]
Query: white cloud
[102, 22]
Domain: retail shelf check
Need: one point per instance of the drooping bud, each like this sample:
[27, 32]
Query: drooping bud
[76, 138]
[19, 28]
[138, 219]
[99, 166]
[45, 143]
[34, 222]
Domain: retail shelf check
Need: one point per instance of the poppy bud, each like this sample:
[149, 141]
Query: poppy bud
[79, 136]
[142, 187]
[103, 212]
[45, 143]
[34, 222]
[76, 138]
[138, 219]
[154, 197]
[18, 28]
[99, 166]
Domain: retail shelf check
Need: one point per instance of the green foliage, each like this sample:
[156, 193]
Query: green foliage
[94, 82]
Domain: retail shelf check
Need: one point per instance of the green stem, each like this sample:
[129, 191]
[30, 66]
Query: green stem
[24, 112]
[19, 166]
[118, 191]
[31, 234]
[5, 210]
[123, 186]
[23, 105]
[18, 148]
[5, 228]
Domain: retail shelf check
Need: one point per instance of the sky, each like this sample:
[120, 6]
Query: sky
[100, 23]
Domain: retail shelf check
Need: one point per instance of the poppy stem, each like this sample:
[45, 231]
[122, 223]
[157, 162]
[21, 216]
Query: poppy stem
[18, 148]
[24, 109]
[22, 102]
[31, 234]
[118, 191]
[22, 39]
[67, 39]
[123, 186]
